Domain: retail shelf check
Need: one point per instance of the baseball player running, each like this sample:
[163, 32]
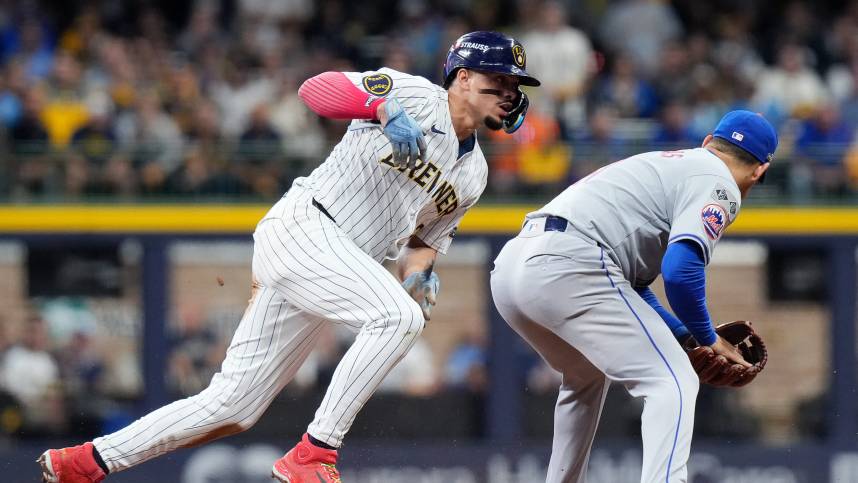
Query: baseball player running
[574, 284]
[402, 176]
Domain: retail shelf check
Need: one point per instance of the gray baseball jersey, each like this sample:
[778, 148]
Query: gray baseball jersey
[635, 207]
[568, 289]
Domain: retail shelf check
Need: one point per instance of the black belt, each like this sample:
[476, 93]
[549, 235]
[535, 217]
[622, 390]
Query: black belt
[323, 210]
[555, 223]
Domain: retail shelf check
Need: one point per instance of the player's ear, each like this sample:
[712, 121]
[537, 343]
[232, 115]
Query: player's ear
[760, 170]
[463, 76]
[706, 140]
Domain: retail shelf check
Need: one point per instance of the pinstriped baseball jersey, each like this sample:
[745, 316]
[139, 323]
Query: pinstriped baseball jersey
[311, 270]
[665, 196]
[380, 205]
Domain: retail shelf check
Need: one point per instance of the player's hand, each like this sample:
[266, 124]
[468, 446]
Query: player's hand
[404, 133]
[424, 289]
[727, 350]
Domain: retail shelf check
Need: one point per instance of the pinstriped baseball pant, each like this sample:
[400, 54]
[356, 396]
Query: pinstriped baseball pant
[309, 274]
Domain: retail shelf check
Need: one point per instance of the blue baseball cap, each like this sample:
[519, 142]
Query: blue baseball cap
[751, 132]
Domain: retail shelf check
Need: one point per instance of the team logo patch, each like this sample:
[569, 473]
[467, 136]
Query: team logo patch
[714, 220]
[518, 55]
[378, 84]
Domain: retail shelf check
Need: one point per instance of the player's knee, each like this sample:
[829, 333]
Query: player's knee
[237, 423]
[414, 318]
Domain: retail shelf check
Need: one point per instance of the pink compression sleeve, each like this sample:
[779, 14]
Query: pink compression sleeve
[332, 95]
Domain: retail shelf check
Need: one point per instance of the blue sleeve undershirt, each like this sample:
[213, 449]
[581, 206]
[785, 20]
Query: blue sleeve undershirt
[683, 271]
[676, 326]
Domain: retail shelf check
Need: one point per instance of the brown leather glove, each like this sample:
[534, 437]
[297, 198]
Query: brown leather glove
[717, 370]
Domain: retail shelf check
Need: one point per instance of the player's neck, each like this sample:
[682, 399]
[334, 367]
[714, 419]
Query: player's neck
[463, 123]
[741, 173]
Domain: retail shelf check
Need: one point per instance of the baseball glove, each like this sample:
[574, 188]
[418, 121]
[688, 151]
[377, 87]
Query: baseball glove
[717, 370]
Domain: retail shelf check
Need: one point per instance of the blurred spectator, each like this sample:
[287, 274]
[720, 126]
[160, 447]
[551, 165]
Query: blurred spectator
[734, 51]
[260, 155]
[673, 131]
[153, 139]
[202, 29]
[96, 166]
[640, 28]
[298, 127]
[467, 365]
[422, 32]
[195, 353]
[29, 142]
[791, 88]
[202, 174]
[81, 365]
[79, 39]
[10, 407]
[237, 94]
[625, 89]
[598, 145]
[562, 58]
[535, 156]
[673, 81]
[31, 374]
[30, 42]
[12, 87]
[64, 112]
[821, 145]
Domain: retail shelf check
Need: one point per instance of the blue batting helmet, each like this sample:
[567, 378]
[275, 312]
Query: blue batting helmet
[489, 52]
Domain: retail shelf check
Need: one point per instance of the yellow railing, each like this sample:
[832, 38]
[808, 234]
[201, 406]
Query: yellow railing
[501, 219]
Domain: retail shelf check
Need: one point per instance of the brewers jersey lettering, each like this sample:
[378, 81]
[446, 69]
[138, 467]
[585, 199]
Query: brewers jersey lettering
[316, 260]
[379, 205]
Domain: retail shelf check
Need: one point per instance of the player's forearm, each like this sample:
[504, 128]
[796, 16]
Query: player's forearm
[332, 95]
[416, 256]
[685, 286]
[676, 326]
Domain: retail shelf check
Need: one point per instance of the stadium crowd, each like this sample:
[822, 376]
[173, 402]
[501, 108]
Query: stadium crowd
[133, 99]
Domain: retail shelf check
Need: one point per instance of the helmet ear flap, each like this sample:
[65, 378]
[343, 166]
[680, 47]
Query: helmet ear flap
[515, 118]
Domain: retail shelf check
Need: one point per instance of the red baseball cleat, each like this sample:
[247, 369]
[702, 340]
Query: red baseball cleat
[70, 465]
[307, 463]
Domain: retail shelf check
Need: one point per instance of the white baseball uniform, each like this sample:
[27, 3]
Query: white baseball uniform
[317, 256]
[570, 293]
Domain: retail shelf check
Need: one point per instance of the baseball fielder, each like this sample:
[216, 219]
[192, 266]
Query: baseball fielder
[402, 176]
[574, 284]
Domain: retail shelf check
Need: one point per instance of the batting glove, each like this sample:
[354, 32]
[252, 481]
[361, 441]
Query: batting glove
[405, 135]
[423, 289]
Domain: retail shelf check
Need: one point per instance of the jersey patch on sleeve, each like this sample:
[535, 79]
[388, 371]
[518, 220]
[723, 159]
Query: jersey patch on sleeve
[714, 220]
[378, 84]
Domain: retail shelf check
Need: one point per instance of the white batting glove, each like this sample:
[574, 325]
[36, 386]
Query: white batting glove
[423, 289]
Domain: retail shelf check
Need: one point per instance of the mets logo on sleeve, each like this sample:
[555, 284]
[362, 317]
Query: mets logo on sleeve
[714, 220]
[378, 84]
